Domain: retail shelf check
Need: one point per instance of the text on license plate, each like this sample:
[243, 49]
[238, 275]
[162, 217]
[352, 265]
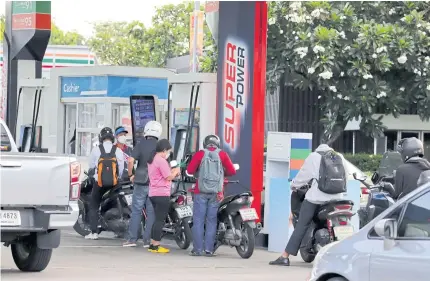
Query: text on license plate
[184, 211]
[129, 198]
[10, 218]
[248, 214]
[342, 232]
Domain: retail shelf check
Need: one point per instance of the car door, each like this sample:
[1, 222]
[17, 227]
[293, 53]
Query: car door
[410, 256]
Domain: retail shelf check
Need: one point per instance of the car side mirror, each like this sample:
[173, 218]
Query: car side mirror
[387, 229]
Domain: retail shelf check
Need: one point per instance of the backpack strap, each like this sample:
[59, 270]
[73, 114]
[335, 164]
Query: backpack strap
[112, 152]
[102, 150]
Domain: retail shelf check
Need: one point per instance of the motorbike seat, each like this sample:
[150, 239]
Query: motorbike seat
[329, 207]
[110, 191]
[231, 198]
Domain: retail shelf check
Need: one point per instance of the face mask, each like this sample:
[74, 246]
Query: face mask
[167, 155]
[122, 139]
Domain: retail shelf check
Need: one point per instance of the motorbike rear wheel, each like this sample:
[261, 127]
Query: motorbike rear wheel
[306, 256]
[247, 245]
[183, 235]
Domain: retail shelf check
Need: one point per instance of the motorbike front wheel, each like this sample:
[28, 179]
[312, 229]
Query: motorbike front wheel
[247, 245]
[183, 235]
[306, 256]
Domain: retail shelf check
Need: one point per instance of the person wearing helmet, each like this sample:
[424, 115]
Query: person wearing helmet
[121, 138]
[205, 205]
[142, 153]
[106, 138]
[407, 175]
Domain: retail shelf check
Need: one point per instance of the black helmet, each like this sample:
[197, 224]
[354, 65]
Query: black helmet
[212, 140]
[106, 133]
[410, 147]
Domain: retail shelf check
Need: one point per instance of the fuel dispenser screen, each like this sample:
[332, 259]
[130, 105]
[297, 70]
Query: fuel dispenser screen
[142, 111]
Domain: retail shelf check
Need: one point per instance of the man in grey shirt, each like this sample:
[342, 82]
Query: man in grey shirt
[313, 199]
[106, 138]
[141, 153]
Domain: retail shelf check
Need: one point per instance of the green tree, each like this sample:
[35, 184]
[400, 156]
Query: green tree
[58, 37]
[2, 26]
[120, 43]
[359, 55]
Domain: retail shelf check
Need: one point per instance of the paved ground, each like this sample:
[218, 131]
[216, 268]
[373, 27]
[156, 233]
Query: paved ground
[105, 259]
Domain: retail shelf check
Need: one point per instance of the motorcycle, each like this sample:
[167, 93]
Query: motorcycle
[237, 225]
[114, 212]
[179, 218]
[380, 198]
[332, 222]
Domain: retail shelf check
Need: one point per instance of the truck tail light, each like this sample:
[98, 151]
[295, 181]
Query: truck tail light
[75, 185]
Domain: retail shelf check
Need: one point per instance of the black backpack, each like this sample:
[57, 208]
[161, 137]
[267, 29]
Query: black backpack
[332, 177]
[107, 168]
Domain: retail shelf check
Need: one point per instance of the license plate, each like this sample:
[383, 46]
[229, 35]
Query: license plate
[184, 211]
[129, 198]
[248, 214]
[342, 232]
[10, 218]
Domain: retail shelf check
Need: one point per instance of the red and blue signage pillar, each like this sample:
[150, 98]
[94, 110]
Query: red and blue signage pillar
[241, 90]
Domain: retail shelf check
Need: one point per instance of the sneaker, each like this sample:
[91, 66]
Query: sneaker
[92, 236]
[129, 244]
[209, 254]
[281, 261]
[146, 244]
[194, 253]
[158, 249]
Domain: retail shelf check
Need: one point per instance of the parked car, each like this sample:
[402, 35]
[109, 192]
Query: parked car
[394, 246]
[39, 193]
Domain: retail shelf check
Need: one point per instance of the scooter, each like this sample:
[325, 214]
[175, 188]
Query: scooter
[237, 225]
[114, 213]
[380, 198]
[332, 222]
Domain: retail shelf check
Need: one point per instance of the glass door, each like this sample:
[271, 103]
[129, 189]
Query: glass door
[92, 117]
[70, 134]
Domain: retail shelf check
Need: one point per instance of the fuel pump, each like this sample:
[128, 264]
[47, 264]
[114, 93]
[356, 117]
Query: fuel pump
[30, 133]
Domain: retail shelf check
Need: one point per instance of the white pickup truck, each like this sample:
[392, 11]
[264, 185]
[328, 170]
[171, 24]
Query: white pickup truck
[39, 194]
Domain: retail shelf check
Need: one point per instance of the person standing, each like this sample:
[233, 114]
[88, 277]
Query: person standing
[121, 139]
[142, 153]
[104, 159]
[160, 177]
[210, 163]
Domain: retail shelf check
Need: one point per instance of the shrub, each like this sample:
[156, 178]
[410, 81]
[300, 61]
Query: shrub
[365, 162]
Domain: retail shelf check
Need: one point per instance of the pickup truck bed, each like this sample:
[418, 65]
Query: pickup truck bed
[34, 180]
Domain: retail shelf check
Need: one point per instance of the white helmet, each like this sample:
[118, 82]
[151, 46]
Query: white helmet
[153, 129]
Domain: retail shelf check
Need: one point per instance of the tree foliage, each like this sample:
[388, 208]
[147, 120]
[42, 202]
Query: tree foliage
[58, 37]
[120, 43]
[359, 56]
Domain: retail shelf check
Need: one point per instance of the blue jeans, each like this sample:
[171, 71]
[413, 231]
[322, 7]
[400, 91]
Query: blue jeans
[139, 201]
[205, 209]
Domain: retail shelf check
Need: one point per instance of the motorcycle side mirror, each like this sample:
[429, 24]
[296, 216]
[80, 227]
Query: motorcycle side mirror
[356, 177]
[86, 173]
[236, 166]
